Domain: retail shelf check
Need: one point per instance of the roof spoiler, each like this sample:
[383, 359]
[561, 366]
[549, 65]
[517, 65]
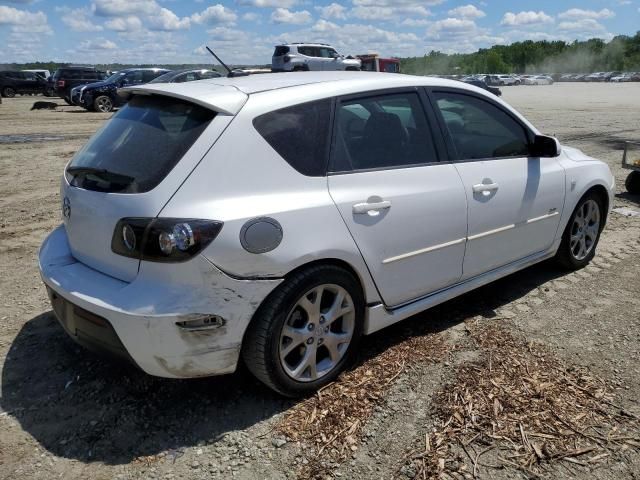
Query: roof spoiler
[223, 99]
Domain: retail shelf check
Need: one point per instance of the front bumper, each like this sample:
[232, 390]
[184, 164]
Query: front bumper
[147, 320]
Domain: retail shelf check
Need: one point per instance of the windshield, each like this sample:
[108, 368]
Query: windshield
[139, 146]
[115, 76]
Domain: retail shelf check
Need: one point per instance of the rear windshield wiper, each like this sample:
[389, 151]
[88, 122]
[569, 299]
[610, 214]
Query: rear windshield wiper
[101, 173]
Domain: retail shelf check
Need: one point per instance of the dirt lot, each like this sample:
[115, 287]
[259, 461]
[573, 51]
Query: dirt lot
[67, 414]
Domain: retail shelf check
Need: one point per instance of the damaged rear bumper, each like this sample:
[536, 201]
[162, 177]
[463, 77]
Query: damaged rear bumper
[174, 320]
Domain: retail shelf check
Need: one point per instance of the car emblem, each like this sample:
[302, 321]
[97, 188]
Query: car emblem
[66, 207]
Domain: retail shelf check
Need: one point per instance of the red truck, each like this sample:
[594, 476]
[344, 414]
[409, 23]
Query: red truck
[373, 63]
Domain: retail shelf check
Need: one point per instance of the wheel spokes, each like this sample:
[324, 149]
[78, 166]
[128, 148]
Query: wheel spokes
[317, 333]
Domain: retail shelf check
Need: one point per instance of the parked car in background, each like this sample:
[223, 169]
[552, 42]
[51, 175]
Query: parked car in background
[374, 63]
[186, 75]
[210, 222]
[623, 77]
[538, 80]
[103, 96]
[595, 77]
[509, 80]
[492, 80]
[67, 78]
[17, 82]
[609, 75]
[296, 57]
[482, 84]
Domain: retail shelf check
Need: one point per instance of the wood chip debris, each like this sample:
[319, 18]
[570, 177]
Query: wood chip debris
[330, 424]
[526, 405]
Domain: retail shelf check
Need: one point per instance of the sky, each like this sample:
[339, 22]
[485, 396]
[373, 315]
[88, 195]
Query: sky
[245, 31]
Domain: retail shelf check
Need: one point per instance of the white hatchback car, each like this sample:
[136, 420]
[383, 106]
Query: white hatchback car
[277, 218]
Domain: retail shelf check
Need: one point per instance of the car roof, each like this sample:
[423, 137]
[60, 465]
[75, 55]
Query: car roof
[153, 69]
[228, 95]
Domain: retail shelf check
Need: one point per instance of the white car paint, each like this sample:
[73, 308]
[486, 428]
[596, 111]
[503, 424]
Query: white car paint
[438, 239]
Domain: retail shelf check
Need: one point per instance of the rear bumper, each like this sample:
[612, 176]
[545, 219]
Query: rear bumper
[148, 320]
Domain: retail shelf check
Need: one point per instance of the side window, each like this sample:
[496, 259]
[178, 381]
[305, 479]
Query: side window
[308, 51]
[327, 52]
[480, 129]
[132, 78]
[148, 75]
[382, 132]
[300, 134]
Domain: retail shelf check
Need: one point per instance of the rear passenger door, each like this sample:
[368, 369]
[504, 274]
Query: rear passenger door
[405, 210]
[515, 199]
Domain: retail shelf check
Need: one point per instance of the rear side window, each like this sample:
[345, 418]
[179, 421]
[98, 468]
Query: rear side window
[300, 134]
[386, 131]
[480, 129]
[279, 51]
[140, 145]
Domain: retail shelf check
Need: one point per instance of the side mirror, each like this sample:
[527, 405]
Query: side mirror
[544, 146]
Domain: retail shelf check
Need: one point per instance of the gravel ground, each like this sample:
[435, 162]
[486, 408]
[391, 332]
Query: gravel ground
[67, 414]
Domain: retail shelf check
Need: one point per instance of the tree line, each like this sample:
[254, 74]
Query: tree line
[593, 55]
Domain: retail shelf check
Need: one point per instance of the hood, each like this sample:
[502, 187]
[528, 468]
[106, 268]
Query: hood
[99, 85]
[576, 155]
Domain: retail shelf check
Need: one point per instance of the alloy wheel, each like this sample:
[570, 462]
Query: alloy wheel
[317, 333]
[585, 229]
[104, 104]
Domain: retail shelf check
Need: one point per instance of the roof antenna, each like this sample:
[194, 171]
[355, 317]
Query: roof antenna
[232, 73]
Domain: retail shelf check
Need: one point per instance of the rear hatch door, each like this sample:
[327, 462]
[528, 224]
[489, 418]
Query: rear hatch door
[133, 165]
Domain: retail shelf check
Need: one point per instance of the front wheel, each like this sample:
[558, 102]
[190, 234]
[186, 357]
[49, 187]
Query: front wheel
[306, 332]
[8, 92]
[632, 183]
[581, 236]
[103, 104]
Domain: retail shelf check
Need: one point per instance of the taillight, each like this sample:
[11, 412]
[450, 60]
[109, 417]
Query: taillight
[163, 239]
[286, 59]
[61, 83]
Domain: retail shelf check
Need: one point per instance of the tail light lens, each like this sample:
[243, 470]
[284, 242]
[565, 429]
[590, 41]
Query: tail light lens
[286, 59]
[61, 83]
[163, 239]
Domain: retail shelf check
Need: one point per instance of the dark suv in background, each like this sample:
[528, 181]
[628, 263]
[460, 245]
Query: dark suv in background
[13, 82]
[66, 78]
[103, 96]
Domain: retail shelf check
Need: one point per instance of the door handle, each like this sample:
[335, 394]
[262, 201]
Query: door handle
[485, 187]
[362, 208]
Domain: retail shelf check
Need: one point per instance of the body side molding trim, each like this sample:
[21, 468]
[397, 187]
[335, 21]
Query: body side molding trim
[423, 250]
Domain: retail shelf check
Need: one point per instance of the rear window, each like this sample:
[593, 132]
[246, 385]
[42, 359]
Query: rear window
[300, 135]
[280, 51]
[141, 144]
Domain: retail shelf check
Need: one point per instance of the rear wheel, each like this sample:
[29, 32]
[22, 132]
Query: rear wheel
[68, 100]
[633, 183]
[103, 104]
[306, 332]
[582, 233]
[8, 92]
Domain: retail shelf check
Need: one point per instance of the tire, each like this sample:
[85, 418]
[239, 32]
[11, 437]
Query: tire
[300, 68]
[582, 233]
[8, 92]
[68, 100]
[313, 335]
[632, 183]
[352, 69]
[517, 82]
[103, 104]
